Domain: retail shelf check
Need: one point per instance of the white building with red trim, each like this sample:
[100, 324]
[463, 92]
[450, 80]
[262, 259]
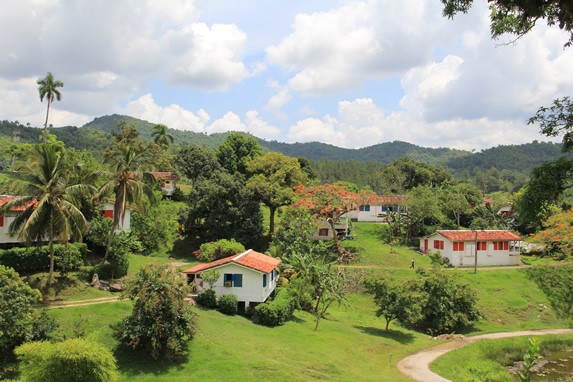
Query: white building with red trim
[494, 247]
[167, 181]
[251, 276]
[378, 207]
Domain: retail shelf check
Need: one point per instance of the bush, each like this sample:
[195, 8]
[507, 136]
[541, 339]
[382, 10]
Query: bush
[228, 304]
[207, 298]
[220, 249]
[103, 271]
[277, 311]
[36, 259]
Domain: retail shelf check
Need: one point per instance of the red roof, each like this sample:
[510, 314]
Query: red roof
[249, 259]
[6, 198]
[165, 175]
[381, 200]
[483, 235]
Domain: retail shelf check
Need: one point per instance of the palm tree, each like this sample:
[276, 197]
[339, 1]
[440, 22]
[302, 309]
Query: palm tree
[48, 211]
[48, 88]
[128, 181]
[160, 135]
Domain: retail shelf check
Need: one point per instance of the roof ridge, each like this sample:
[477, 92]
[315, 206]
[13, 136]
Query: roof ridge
[241, 255]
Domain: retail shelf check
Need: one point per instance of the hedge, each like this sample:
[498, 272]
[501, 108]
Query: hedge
[227, 304]
[277, 311]
[37, 259]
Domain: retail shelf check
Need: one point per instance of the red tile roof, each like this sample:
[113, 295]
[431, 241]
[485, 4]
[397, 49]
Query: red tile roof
[165, 175]
[249, 259]
[483, 235]
[7, 198]
[380, 200]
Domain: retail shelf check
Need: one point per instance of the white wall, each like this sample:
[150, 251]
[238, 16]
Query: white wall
[252, 289]
[4, 232]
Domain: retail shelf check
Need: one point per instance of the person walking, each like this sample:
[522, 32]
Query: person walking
[412, 265]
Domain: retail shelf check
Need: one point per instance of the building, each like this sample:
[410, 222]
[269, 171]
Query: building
[494, 247]
[167, 181]
[379, 207]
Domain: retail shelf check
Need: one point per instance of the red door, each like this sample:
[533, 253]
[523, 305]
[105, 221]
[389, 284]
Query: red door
[425, 245]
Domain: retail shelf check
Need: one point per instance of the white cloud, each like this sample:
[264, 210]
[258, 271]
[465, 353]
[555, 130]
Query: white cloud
[229, 122]
[259, 128]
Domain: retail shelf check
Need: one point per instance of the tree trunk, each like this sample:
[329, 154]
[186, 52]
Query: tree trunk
[109, 241]
[51, 272]
[45, 136]
[387, 323]
[272, 211]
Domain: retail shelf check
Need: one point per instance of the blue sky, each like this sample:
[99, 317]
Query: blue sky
[349, 73]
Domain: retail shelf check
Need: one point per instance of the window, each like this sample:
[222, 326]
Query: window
[365, 208]
[272, 276]
[438, 244]
[458, 245]
[233, 280]
[264, 281]
[482, 246]
[323, 232]
[228, 280]
[500, 245]
[237, 280]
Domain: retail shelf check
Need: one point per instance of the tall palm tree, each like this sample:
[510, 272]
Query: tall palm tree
[48, 88]
[129, 181]
[160, 135]
[48, 209]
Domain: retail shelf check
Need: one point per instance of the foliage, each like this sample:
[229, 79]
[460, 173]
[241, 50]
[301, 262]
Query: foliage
[556, 283]
[73, 360]
[98, 233]
[272, 179]
[49, 208]
[161, 321]
[236, 151]
[161, 135]
[447, 304]
[19, 321]
[227, 304]
[119, 253]
[394, 302]
[157, 229]
[196, 162]
[423, 208]
[557, 235]
[211, 276]
[530, 359]
[277, 311]
[33, 259]
[220, 249]
[207, 298]
[48, 88]
[517, 17]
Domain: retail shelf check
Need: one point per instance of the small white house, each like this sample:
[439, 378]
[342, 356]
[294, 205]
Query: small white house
[7, 219]
[251, 276]
[324, 229]
[125, 224]
[494, 247]
[376, 209]
[167, 181]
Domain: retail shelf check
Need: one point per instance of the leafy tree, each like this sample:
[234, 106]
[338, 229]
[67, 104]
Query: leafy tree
[272, 179]
[161, 136]
[49, 209]
[220, 249]
[19, 321]
[236, 150]
[156, 229]
[48, 88]
[518, 17]
[328, 285]
[557, 236]
[161, 321]
[210, 277]
[394, 301]
[423, 207]
[129, 180]
[196, 162]
[308, 168]
[73, 360]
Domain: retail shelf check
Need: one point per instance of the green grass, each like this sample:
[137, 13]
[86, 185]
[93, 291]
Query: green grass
[492, 355]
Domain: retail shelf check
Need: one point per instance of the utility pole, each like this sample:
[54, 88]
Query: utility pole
[476, 252]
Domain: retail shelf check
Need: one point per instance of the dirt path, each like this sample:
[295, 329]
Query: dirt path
[93, 301]
[417, 366]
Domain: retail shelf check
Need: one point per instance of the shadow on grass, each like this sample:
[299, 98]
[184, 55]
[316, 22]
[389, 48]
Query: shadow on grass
[401, 337]
[133, 363]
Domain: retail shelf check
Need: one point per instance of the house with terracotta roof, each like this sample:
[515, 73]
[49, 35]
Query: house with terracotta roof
[493, 247]
[376, 209]
[251, 276]
[167, 181]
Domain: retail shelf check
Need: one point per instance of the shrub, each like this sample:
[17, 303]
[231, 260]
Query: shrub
[220, 249]
[228, 304]
[103, 271]
[277, 311]
[207, 298]
[35, 259]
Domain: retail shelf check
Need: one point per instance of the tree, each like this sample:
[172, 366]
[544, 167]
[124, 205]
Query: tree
[518, 17]
[129, 180]
[329, 289]
[19, 321]
[556, 120]
[49, 208]
[73, 360]
[210, 277]
[161, 136]
[557, 235]
[394, 302]
[161, 321]
[455, 202]
[236, 150]
[196, 162]
[48, 88]
[272, 179]
[423, 206]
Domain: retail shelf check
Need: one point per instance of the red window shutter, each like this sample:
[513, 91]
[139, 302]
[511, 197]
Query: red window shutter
[506, 245]
[436, 244]
[1, 220]
[441, 244]
[455, 245]
[461, 246]
[108, 214]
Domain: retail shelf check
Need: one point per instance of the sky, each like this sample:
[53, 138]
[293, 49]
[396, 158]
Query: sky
[347, 73]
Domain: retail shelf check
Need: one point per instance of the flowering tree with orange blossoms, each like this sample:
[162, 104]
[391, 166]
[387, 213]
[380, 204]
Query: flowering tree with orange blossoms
[557, 237]
[328, 202]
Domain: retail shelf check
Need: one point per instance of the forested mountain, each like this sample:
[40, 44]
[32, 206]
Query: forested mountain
[95, 135]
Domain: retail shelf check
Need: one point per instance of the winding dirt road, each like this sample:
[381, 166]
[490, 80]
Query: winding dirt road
[417, 366]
